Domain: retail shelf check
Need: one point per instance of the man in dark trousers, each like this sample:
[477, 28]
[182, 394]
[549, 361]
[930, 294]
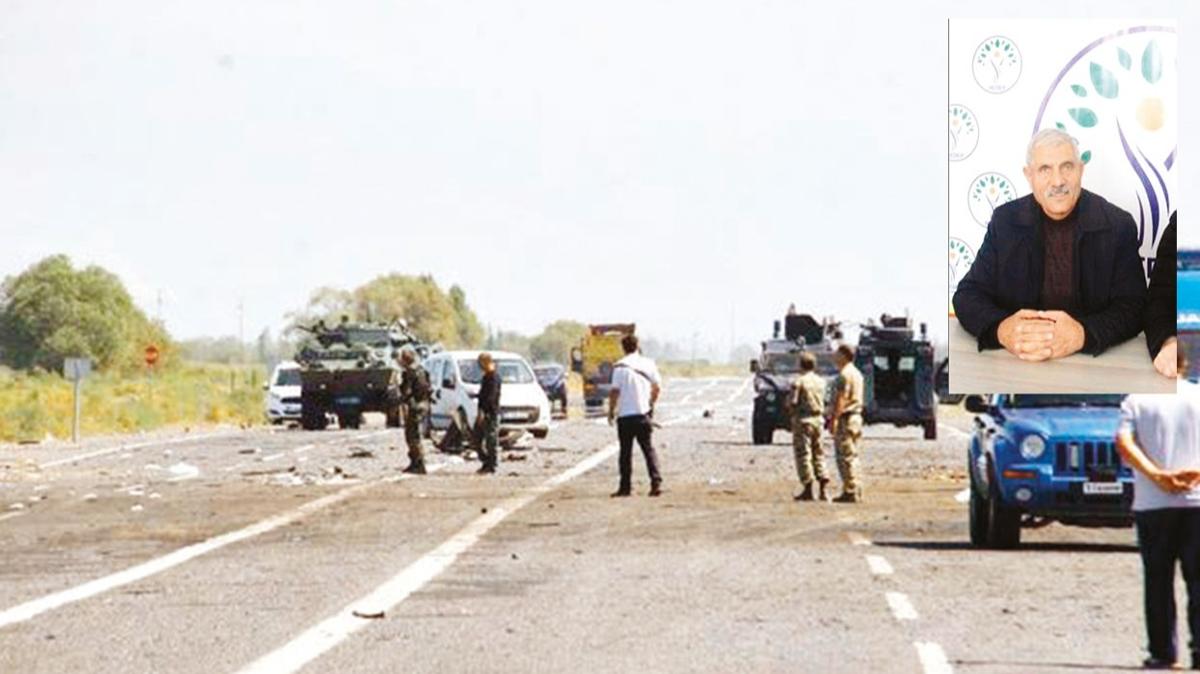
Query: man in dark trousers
[636, 385]
[1159, 437]
[488, 420]
[1160, 305]
[1058, 271]
[415, 392]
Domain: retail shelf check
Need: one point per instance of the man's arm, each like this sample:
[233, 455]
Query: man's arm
[655, 390]
[1122, 318]
[1135, 456]
[613, 395]
[974, 303]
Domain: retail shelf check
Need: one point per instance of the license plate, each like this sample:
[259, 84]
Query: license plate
[1103, 488]
[349, 400]
[515, 416]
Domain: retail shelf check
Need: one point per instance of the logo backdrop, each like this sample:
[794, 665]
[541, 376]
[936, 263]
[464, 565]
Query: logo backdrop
[1111, 84]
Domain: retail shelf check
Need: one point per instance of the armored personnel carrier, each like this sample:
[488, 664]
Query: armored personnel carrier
[898, 374]
[777, 368]
[351, 369]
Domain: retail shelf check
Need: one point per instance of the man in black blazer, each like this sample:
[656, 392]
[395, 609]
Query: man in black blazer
[1160, 305]
[1059, 270]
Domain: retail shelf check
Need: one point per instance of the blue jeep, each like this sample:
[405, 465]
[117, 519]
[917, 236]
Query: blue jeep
[1034, 459]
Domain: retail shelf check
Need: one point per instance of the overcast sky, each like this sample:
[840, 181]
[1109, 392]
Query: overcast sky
[692, 166]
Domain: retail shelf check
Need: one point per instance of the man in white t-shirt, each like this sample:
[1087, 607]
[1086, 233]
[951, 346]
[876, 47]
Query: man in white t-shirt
[635, 388]
[1159, 438]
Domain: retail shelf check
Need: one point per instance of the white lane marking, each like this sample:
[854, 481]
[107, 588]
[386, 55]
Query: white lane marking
[957, 432]
[933, 658]
[963, 496]
[315, 641]
[303, 448]
[124, 448]
[29, 609]
[901, 607]
[879, 566]
[364, 436]
[857, 538]
[9, 516]
[273, 457]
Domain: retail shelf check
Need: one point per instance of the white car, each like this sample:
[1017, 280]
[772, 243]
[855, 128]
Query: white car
[455, 376]
[283, 393]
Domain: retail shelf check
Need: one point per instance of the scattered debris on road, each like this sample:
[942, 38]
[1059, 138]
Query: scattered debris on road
[360, 453]
[377, 615]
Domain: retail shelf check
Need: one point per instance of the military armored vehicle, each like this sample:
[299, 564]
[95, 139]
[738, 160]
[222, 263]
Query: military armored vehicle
[777, 368]
[898, 374]
[351, 369]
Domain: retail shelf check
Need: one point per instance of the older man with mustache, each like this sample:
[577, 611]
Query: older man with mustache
[1059, 270]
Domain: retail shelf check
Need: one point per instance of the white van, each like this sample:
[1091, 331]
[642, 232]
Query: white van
[283, 393]
[455, 376]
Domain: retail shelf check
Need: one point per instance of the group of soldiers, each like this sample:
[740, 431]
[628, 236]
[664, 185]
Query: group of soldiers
[845, 422]
[416, 398]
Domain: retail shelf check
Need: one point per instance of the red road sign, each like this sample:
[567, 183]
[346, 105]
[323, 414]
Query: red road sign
[151, 354]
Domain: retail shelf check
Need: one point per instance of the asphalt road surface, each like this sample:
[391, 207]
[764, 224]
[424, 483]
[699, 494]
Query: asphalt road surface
[279, 550]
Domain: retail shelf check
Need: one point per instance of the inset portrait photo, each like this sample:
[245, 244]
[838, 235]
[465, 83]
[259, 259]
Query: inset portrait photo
[1062, 151]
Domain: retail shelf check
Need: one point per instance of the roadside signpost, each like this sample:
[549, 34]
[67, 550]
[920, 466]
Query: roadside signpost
[76, 370]
[151, 354]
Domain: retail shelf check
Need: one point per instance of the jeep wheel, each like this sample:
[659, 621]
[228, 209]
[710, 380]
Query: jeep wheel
[1004, 523]
[978, 516]
[761, 432]
[931, 429]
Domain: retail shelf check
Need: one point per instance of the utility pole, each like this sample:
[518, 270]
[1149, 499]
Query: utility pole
[242, 329]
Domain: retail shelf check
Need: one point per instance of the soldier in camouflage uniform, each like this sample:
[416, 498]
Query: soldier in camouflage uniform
[847, 423]
[808, 409]
[414, 396]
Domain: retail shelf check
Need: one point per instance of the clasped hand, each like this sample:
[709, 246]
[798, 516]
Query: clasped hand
[1177, 481]
[1040, 335]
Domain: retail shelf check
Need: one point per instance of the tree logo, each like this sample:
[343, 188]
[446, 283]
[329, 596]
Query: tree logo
[1118, 97]
[964, 132]
[961, 258]
[997, 64]
[987, 192]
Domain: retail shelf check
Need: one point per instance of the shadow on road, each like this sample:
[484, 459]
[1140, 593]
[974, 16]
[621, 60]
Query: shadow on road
[964, 546]
[1033, 666]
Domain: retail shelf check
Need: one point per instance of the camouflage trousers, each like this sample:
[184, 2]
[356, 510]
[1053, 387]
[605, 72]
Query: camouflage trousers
[806, 446]
[846, 435]
[414, 418]
[488, 434]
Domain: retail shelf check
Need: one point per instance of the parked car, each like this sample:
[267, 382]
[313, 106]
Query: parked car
[283, 393]
[455, 377]
[553, 379]
[1040, 458]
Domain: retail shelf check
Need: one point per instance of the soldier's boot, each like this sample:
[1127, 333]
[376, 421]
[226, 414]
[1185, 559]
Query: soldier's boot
[824, 490]
[415, 467]
[854, 496]
[807, 494]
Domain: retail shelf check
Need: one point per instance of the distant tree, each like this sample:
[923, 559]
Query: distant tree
[556, 341]
[225, 349]
[505, 340]
[52, 311]
[470, 331]
[742, 354]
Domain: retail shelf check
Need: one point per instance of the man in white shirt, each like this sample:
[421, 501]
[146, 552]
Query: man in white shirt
[635, 388]
[1159, 438]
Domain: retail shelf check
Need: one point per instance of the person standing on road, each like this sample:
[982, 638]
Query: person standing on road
[846, 423]
[415, 393]
[636, 385]
[1159, 437]
[488, 419]
[808, 408]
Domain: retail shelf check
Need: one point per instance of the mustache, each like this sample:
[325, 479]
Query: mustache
[1058, 191]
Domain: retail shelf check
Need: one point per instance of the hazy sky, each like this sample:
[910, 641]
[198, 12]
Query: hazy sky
[692, 166]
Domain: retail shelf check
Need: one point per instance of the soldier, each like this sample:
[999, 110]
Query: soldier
[846, 423]
[808, 408]
[415, 392]
[488, 420]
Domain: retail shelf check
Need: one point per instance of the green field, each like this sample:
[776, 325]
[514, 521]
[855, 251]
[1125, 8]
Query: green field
[35, 405]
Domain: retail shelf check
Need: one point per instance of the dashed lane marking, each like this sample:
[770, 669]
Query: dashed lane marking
[9, 516]
[879, 565]
[933, 658]
[125, 448]
[957, 432]
[963, 496]
[901, 607]
[857, 538]
[29, 609]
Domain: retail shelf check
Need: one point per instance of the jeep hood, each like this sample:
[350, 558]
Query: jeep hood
[1065, 422]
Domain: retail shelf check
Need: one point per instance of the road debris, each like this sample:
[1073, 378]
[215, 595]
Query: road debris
[360, 453]
[376, 615]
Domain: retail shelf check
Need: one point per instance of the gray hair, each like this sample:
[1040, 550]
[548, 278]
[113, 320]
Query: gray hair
[1051, 136]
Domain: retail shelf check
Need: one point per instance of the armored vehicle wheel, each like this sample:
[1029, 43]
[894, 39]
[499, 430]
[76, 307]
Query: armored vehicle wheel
[761, 432]
[312, 418]
[351, 420]
[978, 516]
[393, 417]
[931, 429]
[1004, 523]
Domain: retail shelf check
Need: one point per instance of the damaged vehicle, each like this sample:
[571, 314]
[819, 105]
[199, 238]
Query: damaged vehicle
[455, 377]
